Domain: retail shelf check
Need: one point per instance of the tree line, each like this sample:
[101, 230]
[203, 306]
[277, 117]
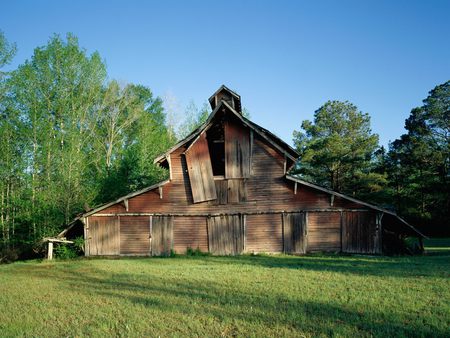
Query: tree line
[72, 138]
[412, 177]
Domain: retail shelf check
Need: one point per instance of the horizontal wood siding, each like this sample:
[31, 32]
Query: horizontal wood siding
[265, 190]
[135, 235]
[190, 232]
[324, 231]
[264, 233]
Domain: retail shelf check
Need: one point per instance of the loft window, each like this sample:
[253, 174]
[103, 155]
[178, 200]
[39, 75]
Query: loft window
[216, 145]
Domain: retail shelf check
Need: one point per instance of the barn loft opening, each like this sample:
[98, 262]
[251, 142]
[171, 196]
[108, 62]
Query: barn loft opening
[216, 144]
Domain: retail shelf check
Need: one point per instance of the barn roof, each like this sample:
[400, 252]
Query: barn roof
[351, 199]
[271, 138]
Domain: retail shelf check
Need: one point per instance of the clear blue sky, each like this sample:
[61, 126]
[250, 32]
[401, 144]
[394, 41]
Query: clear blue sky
[285, 58]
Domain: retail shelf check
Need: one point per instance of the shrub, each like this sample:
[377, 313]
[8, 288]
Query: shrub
[195, 252]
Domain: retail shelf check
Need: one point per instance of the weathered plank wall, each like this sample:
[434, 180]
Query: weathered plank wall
[294, 232]
[103, 236]
[264, 233]
[162, 235]
[265, 190]
[200, 170]
[190, 232]
[359, 233]
[226, 235]
[324, 231]
[134, 235]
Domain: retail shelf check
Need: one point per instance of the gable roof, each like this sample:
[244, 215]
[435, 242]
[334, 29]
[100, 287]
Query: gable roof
[274, 140]
[351, 199]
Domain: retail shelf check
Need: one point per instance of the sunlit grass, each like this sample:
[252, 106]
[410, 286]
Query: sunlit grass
[244, 296]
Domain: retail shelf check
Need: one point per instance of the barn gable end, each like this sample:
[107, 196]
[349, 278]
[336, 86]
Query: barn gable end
[229, 192]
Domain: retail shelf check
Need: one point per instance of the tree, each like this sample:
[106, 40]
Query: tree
[419, 162]
[337, 150]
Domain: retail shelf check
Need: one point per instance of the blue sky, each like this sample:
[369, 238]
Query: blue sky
[285, 58]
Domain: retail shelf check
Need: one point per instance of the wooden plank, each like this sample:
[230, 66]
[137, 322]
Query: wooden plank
[324, 231]
[237, 151]
[200, 171]
[162, 235]
[225, 235]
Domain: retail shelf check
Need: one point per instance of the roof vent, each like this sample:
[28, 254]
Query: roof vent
[227, 95]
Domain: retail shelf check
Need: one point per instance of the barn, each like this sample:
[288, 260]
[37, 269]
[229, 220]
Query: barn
[229, 192]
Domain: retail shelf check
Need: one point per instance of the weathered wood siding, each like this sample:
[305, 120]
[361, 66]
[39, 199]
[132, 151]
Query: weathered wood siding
[264, 233]
[200, 171]
[162, 235]
[264, 190]
[190, 232]
[294, 232]
[360, 233]
[324, 231]
[103, 236]
[134, 235]
[237, 151]
[226, 234]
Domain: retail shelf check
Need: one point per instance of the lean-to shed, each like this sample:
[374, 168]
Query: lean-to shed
[229, 192]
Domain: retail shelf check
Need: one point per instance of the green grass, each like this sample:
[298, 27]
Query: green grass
[318, 295]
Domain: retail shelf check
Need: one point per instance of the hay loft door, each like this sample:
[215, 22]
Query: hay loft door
[226, 234]
[200, 170]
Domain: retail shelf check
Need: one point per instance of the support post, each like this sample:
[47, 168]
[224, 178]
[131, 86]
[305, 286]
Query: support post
[50, 251]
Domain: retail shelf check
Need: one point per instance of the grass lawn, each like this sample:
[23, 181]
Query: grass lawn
[317, 295]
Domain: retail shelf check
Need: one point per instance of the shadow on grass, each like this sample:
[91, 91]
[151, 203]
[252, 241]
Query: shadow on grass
[183, 297]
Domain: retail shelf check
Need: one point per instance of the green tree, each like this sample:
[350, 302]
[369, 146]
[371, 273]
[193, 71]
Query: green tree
[419, 162]
[337, 150]
[56, 95]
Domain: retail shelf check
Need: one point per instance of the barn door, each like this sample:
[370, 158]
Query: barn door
[226, 234]
[295, 232]
[162, 235]
[200, 170]
[103, 236]
[360, 233]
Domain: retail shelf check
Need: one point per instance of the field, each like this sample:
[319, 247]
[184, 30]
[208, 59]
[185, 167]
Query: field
[316, 295]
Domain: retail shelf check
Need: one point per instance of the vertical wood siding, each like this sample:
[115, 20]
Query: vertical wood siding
[360, 233]
[237, 151]
[200, 171]
[324, 231]
[294, 233]
[226, 235]
[162, 235]
[103, 236]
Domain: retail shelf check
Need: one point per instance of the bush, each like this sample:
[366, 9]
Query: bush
[65, 251]
[8, 255]
[195, 252]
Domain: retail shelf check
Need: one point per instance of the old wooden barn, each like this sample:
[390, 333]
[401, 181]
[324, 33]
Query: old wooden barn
[229, 192]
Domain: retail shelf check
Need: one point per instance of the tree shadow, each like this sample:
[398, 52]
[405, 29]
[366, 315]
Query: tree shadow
[181, 296]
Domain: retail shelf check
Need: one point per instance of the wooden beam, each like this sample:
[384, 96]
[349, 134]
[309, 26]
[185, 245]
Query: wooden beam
[230, 213]
[125, 204]
[50, 251]
[285, 163]
[160, 192]
[331, 200]
[295, 188]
